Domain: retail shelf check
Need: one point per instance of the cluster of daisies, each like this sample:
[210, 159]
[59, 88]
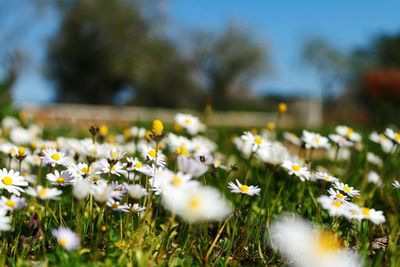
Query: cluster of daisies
[123, 172]
[266, 148]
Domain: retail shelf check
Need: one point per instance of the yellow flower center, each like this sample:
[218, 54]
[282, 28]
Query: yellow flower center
[194, 203]
[258, 140]
[327, 177]
[317, 139]
[152, 153]
[114, 206]
[42, 192]
[113, 168]
[63, 242]
[382, 137]
[176, 180]
[365, 211]
[10, 203]
[60, 180]
[282, 107]
[337, 203]
[182, 151]
[187, 121]
[296, 167]
[177, 127]
[103, 130]
[347, 188]
[56, 156]
[397, 137]
[244, 188]
[21, 151]
[138, 165]
[114, 154]
[340, 195]
[157, 127]
[7, 180]
[349, 132]
[328, 242]
[93, 149]
[85, 170]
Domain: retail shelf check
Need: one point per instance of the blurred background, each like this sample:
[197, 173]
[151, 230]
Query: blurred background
[331, 61]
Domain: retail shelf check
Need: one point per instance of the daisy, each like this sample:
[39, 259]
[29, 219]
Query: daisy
[196, 204]
[256, 141]
[191, 166]
[305, 245]
[314, 140]
[335, 206]
[66, 238]
[349, 133]
[340, 141]
[274, 154]
[137, 208]
[115, 154]
[189, 122]
[43, 192]
[292, 138]
[102, 192]
[64, 178]
[115, 205]
[394, 136]
[374, 159]
[373, 177]
[11, 181]
[80, 170]
[386, 144]
[118, 168]
[134, 164]
[136, 191]
[118, 190]
[12, 203]
[5, 221]
[53, 157]
[335, 194]
[347, 189]
[296, 169]
[375, 216]
[396, 184]
[324, 176]
[166, 178]
[82, 188]
[244, 189]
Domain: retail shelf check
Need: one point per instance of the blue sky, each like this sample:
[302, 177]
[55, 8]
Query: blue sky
[284, 25]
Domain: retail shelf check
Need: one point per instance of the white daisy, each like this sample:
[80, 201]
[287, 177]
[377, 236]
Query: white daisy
[314, 140]
[349, 133]
[244, 189]
[196, 204]
[136, 191]
[394, 136]
[12, 181]
[347, 189]
[43, 192]
[117, 206]
[5, 221]
[12, 203]
[324, 176]
[256, 141]
[66, 238]
[53, 157]
[189, 122]
[296, 169]
[64, 178]
[340, 141]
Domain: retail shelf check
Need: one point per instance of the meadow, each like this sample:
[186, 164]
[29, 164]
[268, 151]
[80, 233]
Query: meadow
[189, 195]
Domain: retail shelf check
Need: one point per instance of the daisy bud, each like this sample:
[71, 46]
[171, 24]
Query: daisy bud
[157, 128]
[21, 151]
[103, 130]
[282, 107]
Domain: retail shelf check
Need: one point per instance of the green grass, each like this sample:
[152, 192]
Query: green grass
[160, 238]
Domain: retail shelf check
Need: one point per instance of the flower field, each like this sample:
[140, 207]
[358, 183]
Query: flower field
[189, 195]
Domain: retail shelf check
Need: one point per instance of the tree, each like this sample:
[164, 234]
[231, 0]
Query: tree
[331, 64]
[105, 47]
[228, 62]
